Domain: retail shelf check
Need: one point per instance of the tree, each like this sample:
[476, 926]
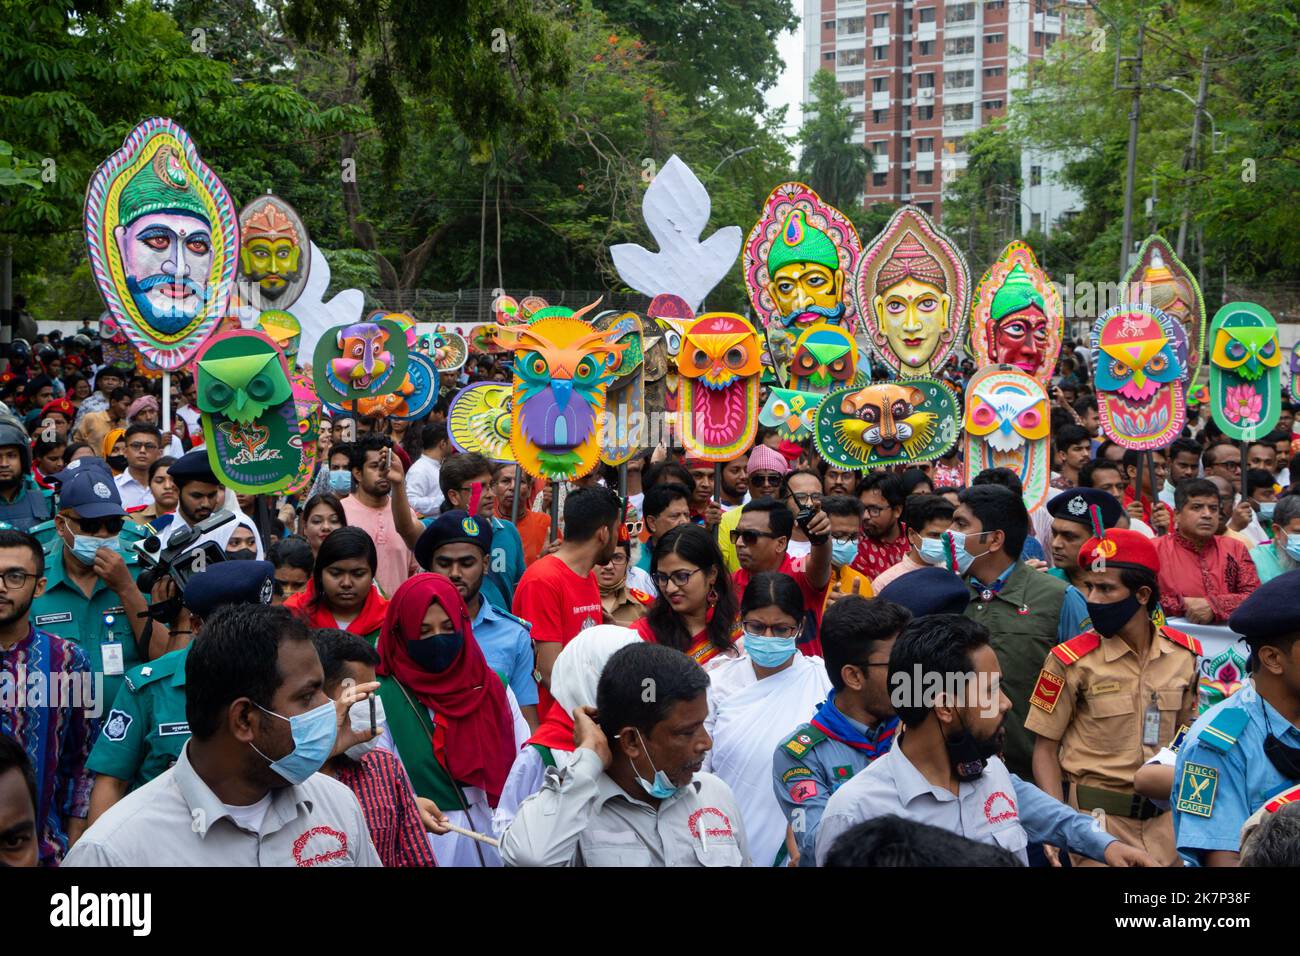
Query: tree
[981, 208]
[832, 164]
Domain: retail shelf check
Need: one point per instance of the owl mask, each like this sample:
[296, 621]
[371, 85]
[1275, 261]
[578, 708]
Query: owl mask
[1141, 366]
[825, 358]
[790, 412]
[1245, 371]
[719, 365]
[1007, 424]
[895, 423]
[1161, 280]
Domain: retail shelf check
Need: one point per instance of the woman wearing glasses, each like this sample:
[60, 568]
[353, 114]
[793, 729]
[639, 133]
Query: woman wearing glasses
[696, 610]
[624, 604]
[752, 701]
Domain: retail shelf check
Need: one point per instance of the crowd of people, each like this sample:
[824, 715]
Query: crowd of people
[407, 664]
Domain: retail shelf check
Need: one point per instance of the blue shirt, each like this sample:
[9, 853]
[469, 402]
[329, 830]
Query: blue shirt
[508, 649]
[1217, 783]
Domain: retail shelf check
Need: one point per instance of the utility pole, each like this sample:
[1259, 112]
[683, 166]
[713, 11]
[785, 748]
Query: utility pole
[1190, 157]
[1131, 171]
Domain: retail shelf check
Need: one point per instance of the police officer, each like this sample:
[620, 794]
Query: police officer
[91, 597]
[459, 547]
[1243, 751]
[1108, 700]
[146, 728]
[1075, 513]
[23, 505]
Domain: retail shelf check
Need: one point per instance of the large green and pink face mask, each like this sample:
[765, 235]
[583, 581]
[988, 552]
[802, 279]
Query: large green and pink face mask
[1245, 371]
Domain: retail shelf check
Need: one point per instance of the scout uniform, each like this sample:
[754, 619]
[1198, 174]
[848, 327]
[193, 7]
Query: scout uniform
[1111, 710]
[144, 732]
[1241, 752]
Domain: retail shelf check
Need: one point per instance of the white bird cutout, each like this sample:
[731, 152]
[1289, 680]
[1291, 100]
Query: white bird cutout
[676, 210]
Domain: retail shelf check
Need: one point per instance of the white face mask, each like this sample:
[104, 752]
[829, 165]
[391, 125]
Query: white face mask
[359, 717]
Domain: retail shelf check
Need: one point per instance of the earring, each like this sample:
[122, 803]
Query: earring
[713, 597]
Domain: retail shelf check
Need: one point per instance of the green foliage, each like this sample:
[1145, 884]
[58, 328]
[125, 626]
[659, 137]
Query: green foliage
[831, 162]
[981, 209]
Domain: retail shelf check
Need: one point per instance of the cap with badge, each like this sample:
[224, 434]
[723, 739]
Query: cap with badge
[928, 591]
[86, 487]
[229, 582]
[1075, 504]
[1120, 547]
[1270, 611]
[192, 466]
[452, 527]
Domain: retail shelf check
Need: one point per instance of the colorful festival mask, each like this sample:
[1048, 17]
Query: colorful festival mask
[283, 329]
[623, 427]
[478, 420]
[448, 349]
[1293, 382]
[413, 399]
[114, 345]
[562, 370]
[1221, 677]
[1245, 371]
[160, 230]
[308, 408]
[825, 358]
[798, 261]
[1007, 424]
[1160, 279]
[1016, 318]
[1140, 355]
[674, 317]
[362, 359]
[892, 423]
[792, 413]
[913, 287]
[250, 421]
[274, 254]
[719, 364]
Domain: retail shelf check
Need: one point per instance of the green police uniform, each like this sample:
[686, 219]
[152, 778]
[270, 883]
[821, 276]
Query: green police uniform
[91, 622]
[145, 730]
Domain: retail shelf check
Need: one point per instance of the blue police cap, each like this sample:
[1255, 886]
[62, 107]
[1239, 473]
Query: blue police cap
[229, 582]
[928, 591]
[89, 490]
[192, 466]
[451, 527]
[1075, 504]
[1270, 612]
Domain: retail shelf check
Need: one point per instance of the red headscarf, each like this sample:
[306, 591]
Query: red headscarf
[468, 699]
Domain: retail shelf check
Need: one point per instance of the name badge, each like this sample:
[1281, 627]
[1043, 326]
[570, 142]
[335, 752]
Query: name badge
[1105, 687]
[112, 657]
[115, 610]
[62, 617]
[172, 730]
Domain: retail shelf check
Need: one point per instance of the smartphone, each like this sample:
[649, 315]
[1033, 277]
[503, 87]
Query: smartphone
[373, 726]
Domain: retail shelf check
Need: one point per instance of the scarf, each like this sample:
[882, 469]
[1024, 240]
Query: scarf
[574, 677]
[835, 725]
[468, 700]
[316, 614]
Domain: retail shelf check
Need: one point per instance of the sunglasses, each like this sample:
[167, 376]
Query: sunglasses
[749, 536]
[113, 524]
[765, 481]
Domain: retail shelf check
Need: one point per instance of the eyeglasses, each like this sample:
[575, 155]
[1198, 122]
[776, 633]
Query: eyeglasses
[805, 498]
[768, 480]
[142, 446]
[844, 538]
[618, 558]
[15, 579]
[875, 511]
[759, 629]
[679, 578]
[112, 524]
[749, 536]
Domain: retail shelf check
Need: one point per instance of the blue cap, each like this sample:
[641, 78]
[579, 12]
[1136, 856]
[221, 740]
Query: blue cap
[229, 582]
[192, 466]
[1269, 612]
[88, 490]
[928, 591]
[1075, 504]
[452, 527]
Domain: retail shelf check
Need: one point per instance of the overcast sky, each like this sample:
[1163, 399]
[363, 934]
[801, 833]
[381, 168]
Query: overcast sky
[789, 88]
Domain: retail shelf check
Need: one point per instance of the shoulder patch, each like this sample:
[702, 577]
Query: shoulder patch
[1290, 795]
[1077, 647]
[640, 597]
[803, 740]
[795, 772]
[510, 617]
[1183, 640]
[1047, 691]
[1222, 732]
[1196, 789]
[118, 723]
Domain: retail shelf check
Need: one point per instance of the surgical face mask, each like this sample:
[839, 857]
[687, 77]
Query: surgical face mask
[769, 651]
[1292, 546]
[84, 546]
[117, 462]
[359, 718]
[437, 652]
[1266, 511]
[963, 557]
[661, 788]
[313, 739]
[931, 551]
[340, 481]
[843, 552]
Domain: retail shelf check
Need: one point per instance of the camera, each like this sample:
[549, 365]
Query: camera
[184, 556]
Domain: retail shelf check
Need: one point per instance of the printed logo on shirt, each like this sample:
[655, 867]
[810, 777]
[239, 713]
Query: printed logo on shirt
[715, 823]
[118, 723]
[999, 808]
[62, 617]
[320, 845]
[172, 730]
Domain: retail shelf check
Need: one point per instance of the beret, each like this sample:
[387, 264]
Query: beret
[1074, 504]
[229, 582]
[192, 466]
[452, 527]
[928, 591]
[1120, 546]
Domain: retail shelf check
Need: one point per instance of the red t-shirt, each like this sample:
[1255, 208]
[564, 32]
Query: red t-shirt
[810, 641]
[558, 604]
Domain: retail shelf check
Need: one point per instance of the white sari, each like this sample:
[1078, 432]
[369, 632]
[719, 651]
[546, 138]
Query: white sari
[748, 724]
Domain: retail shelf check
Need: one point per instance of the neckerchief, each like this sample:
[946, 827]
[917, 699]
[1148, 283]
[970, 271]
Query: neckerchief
[835, 725]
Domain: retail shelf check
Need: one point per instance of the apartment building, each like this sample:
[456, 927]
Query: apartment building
[921, 75]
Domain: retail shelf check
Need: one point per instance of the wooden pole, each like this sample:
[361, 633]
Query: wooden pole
[514, 499]
[555, 511]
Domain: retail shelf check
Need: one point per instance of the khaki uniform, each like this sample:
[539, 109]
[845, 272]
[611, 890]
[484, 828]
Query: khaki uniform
[1093, 696]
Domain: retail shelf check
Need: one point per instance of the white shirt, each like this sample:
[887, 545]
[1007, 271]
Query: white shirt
[422, 489]
[192, 421]
[798, 549]
[221, 535]
[134, 494]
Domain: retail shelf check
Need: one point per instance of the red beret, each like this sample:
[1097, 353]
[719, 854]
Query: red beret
[1120, 546]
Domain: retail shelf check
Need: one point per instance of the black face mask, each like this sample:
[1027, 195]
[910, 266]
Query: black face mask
[437, 652]
[967, 755]
[1109, 619]
[241, 554]
[1284, 758]
[116, 462]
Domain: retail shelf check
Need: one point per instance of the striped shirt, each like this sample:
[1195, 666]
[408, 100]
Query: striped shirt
[45, 691]
[388, 803]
